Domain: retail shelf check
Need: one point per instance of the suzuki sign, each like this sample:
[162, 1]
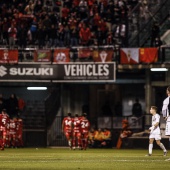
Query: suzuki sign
[65, 72]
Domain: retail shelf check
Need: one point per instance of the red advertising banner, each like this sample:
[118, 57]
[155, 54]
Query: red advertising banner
[103, 55]
[61, 55]
[84, 52]
[148, 55]
[8, 56]
[42, 55]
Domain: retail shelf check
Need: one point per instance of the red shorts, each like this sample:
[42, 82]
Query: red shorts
[85, 135]
[76, 134]
[68, 134]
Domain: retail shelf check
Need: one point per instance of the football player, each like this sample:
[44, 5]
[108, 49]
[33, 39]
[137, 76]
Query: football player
[67, 126]
[76, 132]
[4, 128]
[155, 133]
[84, 129]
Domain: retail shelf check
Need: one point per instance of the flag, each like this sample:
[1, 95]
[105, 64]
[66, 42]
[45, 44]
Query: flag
[129, 55]
[61, 55]
[103, 55]
[148, 55]
[84, 52]
[8, 56]
[42, 55]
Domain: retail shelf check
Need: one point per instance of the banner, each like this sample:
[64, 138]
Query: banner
[61, 55]
[63, 72]
[148, 55]
[103, 55]
[84, 52]
[129, 55]
[42, 55]
[8, 56]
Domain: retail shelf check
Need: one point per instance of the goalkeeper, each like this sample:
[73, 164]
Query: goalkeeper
[155, 133]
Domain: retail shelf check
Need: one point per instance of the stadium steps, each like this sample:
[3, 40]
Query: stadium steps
[34, 115]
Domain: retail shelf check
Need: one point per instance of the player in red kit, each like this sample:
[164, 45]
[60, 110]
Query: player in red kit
[67, 126]
[12, 132]
[84, 128]
[4, 128]
[76, 132]
[19, 133]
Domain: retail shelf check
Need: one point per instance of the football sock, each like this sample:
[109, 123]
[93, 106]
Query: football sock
[79, 142]
[69, 143]
[162, 147]
[150, 148]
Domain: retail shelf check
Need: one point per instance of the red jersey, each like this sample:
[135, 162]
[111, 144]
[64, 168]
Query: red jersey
[76, 124]
[4, 122]
[13, 127]
[84, 125]
[67, 124]
[19, 126]
[85, 34]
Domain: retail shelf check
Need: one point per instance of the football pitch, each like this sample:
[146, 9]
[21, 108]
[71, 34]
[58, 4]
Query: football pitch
[63, 158]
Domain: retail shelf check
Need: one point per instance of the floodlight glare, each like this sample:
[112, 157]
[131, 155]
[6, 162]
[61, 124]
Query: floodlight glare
[159, 69]
[36, 88]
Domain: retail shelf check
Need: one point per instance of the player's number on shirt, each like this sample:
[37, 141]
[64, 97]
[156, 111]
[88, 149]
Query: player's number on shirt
[68, 122]
[4, 121]
[12, 125]
[84, 124]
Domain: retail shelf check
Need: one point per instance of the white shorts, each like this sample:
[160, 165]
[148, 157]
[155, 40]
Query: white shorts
[167, 129]
[155, 136]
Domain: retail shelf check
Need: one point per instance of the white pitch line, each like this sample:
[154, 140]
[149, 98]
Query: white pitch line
[60, 161]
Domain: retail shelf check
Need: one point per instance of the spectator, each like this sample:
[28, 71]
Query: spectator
[53, 36]
[155, 30]
[2, 105]
[83, 9]
[124, 134]
[46, 25]
[106, 138]
[65, 12]
[85, 35]
[92, 134]
[95, 22]
[29, 9]
[5, 26]
[12, 106]
[104, 30]
[103, 7]
[118, 109]
[61, 35]
[12, 33]
[22, 36]
[33, 29]
[40, 36]
[98, 138]
[137, 108]
[66, 36]
[106, 108]
[21, 104]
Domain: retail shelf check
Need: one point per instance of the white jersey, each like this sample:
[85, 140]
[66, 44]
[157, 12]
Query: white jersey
[165, 110]
[156, 119]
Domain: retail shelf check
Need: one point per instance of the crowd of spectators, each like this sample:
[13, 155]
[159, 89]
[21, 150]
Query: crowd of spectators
[56, 23]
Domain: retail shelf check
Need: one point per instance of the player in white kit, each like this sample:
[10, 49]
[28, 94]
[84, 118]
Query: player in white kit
[166, 113]
[155, 133]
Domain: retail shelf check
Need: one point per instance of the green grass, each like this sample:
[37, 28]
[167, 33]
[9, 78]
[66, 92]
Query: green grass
[63, 158]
